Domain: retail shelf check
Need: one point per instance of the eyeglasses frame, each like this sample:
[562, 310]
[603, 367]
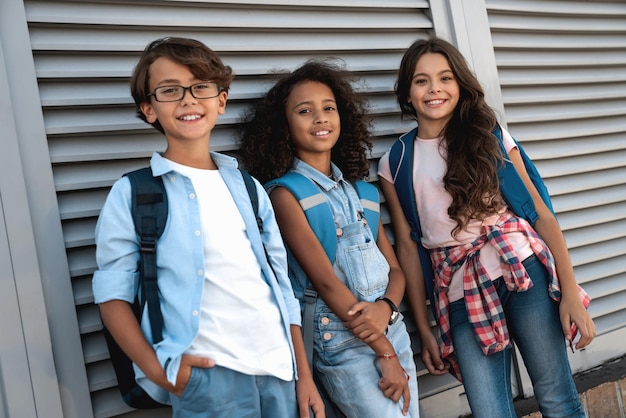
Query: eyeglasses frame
[153, 92]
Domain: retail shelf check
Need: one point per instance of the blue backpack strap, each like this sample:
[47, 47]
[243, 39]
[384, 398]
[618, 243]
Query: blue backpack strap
[401, 164]
[254, 201]
[315, 208]
[149, 209]
[320, 218]
[512, 187]
[254, 198]
[370, 201]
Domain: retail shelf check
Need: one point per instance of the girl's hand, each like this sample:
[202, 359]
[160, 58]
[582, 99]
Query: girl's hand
[574, 315]
[394, 382]
[184, 373]
[309, 398]
[431, 356]
[369, 320]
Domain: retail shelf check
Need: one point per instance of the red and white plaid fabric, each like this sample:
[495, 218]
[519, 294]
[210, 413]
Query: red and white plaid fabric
[482, 302]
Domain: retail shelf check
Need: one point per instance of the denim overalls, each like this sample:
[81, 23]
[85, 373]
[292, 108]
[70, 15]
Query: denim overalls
[347, 367]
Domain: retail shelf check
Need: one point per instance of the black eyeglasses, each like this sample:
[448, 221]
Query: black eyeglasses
[175, 93]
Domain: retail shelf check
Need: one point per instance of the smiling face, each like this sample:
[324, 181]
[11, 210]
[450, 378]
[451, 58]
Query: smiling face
[189, 119]
[434, 93]
[313, 119]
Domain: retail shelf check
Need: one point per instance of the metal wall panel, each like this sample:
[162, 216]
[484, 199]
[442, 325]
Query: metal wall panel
[84, 52]
[562, 72]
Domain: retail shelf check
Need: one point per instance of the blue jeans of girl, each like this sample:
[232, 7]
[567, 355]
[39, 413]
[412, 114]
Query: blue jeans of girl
[534, 325]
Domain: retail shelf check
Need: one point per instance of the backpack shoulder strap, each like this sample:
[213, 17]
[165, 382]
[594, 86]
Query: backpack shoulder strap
[315, 208]
[512, 187]
[320, 218]
[370, 201]
[401, 164]
[254, 197]
[149, 208]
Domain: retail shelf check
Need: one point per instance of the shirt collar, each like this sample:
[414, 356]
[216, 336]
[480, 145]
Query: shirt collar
[325, 182]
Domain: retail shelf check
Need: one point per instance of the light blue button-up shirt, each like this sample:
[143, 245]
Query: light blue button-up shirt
[180, 260]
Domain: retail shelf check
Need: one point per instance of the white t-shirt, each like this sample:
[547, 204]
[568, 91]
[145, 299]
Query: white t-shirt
[433, 201]
[240, 322]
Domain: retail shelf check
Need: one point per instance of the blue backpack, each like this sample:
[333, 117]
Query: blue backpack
[320, 217]
[512, 188]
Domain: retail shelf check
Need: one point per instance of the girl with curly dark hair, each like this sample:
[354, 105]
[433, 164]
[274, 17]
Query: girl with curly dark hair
[495, 261]
[267, 147]
[314, 124]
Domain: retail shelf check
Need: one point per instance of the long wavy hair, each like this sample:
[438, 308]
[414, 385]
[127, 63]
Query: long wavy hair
[266, 148]
[472, 152]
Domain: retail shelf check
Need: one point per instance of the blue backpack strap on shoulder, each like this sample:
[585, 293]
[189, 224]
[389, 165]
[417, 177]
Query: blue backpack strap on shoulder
[318, 212]
[401, 164]
[149, 208]
[315, 208]
[320, 217]
[512, 187]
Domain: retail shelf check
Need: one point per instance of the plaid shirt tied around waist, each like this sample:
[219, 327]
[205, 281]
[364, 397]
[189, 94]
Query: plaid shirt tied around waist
[482, 302]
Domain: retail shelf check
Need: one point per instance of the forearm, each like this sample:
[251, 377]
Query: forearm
[337, 296]
[302, 363]
[408, 258]
[396, 286]
[381, 346]
[415, 289]
[550, 231]
[120, 320]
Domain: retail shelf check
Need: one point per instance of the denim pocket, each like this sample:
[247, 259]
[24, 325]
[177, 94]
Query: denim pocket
[368, 270]
[332, 336]
[192, 384]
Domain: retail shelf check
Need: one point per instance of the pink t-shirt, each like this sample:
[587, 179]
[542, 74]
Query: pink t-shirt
[432, 205]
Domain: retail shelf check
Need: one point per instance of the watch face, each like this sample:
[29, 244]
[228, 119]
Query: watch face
[394, 317]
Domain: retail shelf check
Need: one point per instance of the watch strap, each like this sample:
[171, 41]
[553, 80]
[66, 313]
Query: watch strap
[394, 309]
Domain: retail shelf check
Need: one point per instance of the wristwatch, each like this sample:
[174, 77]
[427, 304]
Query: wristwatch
[395, 312]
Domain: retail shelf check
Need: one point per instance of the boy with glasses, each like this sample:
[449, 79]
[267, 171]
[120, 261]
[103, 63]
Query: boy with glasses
[232, 345]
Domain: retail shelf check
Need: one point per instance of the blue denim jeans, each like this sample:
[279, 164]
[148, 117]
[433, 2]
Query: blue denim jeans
[219, 392]
[534, 324]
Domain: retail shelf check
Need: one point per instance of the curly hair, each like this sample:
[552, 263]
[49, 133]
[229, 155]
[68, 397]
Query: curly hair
[472, 152]
[201, 60]
[266, 148]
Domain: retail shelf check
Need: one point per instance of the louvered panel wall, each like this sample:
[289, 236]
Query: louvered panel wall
[84, 52]
[562, 70]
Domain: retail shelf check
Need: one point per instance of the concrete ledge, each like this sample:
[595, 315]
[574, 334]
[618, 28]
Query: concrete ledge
[607, 400]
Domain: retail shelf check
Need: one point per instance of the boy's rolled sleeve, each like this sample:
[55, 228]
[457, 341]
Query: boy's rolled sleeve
[114, 285]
